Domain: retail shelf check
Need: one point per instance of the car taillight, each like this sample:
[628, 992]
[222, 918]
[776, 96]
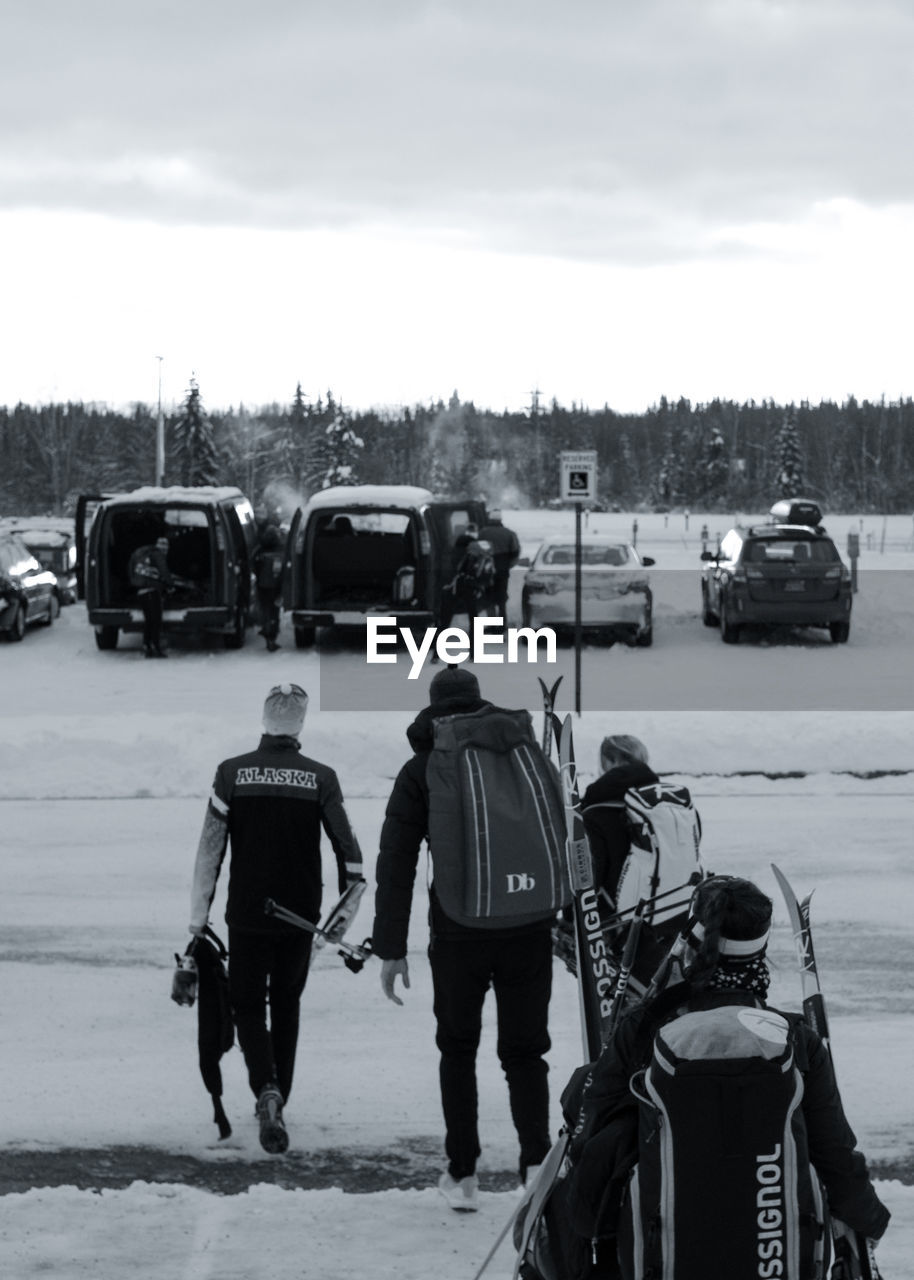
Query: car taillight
[425, 542]
[754, 573]
[549, 585]
[839, 571]
[739, 576]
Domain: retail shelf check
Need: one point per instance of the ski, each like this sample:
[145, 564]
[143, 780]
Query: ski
[354, 954]
[854, 1258]
[549, 696]
[535, 1198]
[596, 968]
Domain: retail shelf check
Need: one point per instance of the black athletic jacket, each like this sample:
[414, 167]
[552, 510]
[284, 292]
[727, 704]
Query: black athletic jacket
[272, 803]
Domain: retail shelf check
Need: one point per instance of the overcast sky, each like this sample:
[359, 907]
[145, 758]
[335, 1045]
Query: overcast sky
[610, 200]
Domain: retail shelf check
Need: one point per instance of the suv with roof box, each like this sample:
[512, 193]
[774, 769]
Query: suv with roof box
[787, 571]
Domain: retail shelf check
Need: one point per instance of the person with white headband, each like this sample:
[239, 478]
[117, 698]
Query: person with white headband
[726, 977]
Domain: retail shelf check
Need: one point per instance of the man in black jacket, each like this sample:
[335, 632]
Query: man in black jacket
[271, 804]
[465, 961]
[151, 577]
[505, 552]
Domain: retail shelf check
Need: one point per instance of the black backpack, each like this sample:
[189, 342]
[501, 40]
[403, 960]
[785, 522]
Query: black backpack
[476, 571]
[723, 1185]
[496, 821]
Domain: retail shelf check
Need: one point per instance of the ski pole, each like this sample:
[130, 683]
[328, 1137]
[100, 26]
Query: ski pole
[354, 954]
[625, 968]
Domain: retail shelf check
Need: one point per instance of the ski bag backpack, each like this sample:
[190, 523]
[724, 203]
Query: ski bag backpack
[496, 821]
[723, 1185]
[664, 854]
[476, 571]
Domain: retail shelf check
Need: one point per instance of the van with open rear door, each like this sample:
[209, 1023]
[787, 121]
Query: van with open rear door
[356, 551]
[211, 536]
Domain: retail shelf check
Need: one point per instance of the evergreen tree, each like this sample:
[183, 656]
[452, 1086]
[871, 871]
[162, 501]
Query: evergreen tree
[789, 479]
[341, 447]
[193, 431]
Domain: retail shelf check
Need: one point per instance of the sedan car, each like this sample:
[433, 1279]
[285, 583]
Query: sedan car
[28, 593]
[616, 598]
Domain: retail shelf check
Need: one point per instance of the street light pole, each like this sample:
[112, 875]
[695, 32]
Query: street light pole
[160, 434]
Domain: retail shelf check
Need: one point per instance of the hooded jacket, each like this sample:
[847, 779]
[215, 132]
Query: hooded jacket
[605, 820]
[405, 828]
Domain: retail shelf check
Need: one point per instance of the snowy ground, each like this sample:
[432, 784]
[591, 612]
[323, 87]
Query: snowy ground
[105, 762]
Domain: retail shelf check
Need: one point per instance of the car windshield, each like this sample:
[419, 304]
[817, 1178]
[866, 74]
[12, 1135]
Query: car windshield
[562, 554]
[788, 551]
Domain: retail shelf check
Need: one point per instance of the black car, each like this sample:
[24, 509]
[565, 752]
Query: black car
[787, 571]
[52, 542]
[28, 593]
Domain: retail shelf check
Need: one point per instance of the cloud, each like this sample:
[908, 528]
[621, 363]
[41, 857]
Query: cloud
[602, 131]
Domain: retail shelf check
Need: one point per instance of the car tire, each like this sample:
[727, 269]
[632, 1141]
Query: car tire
[106, 637]
[53, 610]
[728, 632]
[708, 617]
[839, 632]
[16, 629]
[644, 639]
[305, 637]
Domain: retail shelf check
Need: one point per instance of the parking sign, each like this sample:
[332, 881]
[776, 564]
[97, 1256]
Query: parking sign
[578, 476]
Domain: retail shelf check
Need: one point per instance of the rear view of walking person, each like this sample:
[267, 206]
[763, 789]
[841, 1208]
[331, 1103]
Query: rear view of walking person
[469, 954]
[270, 805]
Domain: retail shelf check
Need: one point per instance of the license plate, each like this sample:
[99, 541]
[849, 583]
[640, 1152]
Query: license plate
[799, 585]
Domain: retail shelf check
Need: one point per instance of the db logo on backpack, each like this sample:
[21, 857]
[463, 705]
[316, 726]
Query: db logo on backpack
[520, 883]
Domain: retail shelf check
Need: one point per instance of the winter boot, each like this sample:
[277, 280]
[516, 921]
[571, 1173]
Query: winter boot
[273, 1135]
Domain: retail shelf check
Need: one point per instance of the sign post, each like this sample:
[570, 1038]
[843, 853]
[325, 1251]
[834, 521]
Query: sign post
[577, 484]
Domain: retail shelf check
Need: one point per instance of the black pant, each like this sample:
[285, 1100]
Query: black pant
[266, 967]
[519, 969]
[268, 605]
[151, 604]
[454, 602]
[497, 600]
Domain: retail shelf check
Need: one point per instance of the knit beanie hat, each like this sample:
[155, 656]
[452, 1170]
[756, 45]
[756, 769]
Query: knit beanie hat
[452, 689]
[284, 709]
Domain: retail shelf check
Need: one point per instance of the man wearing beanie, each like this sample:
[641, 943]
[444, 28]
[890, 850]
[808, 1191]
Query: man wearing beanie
[516, 961]
[270, 805]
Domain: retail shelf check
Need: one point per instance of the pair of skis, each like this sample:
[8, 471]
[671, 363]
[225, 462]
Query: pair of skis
[854, 1257]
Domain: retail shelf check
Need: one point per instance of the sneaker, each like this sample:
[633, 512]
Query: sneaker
[461, 1194]
[273, 1135]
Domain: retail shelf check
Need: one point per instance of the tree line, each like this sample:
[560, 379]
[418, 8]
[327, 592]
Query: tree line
[853, 456]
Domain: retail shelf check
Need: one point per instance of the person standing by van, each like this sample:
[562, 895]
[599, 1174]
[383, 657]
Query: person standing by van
[151, 577]
[505, 550]
[268, 560]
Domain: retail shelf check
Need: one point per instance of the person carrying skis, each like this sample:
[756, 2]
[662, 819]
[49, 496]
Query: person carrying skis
[623, 764]
[270, 804]
[725, 969]
[515, 960]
